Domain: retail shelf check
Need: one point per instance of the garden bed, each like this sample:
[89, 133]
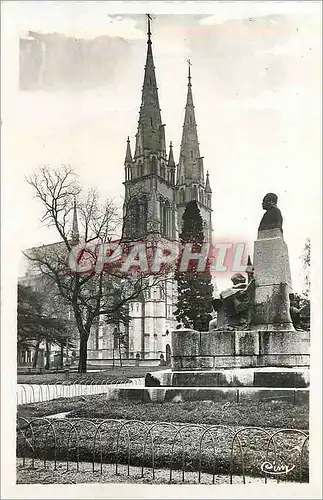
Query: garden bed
[187, 450]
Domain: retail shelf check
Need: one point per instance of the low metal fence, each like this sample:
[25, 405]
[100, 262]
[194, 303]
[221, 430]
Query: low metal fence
[205, 450]
[36, 393]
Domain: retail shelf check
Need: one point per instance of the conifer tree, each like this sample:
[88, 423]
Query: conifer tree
[194, 302]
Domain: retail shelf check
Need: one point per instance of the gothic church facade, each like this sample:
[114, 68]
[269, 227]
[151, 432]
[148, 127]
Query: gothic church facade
[156, 193]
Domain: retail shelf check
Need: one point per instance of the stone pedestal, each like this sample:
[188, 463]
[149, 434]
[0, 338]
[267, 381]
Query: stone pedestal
[272, 282]
[185, 349]
[192, 350]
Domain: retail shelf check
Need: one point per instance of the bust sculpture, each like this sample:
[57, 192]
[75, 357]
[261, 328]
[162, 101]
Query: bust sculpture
[272, 219]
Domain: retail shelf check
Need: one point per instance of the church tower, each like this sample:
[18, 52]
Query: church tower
[150, 213]
[150, 202]
[191, 184]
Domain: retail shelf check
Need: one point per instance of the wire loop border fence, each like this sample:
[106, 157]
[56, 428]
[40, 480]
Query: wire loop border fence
[77, 427]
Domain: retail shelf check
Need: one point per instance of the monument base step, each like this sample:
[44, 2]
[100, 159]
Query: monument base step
[215, 394]
[239, 377]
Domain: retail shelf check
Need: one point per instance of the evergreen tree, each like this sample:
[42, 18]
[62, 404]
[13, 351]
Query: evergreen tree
[194, 303]
[33, 321]
[36, 325]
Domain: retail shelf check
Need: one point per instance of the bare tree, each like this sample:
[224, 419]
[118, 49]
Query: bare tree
[90, 294]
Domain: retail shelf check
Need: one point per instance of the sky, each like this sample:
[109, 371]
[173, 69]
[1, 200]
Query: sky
[256, 80]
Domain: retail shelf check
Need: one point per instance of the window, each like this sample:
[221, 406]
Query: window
[153, 165]
[138, 217]
[194, 195]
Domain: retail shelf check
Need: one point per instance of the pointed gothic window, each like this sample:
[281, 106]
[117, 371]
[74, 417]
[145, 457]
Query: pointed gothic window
[142, 217]
[192, 154]
[151, 121]
[194, 195]
[190, 120]
[164, 218]
[182, 196]
[153, 165]
[136, 219]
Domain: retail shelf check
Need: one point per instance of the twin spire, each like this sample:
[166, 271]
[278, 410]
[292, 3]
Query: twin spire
[151, 134]
[190, 161]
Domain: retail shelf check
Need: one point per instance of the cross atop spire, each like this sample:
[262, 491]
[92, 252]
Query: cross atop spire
[189, 70]
[149, 18]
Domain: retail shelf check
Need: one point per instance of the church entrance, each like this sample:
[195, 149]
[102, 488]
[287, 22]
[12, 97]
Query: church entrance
[168, 354]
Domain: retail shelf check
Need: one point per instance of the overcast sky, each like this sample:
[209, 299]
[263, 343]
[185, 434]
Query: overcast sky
[257, 92]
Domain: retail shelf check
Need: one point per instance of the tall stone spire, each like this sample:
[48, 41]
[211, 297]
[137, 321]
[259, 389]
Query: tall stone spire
[150, 134]
[150, 195]
[75, 236]
[190, 161]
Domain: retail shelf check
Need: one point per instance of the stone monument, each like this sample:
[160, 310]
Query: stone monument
[272, 272]
[252, 350]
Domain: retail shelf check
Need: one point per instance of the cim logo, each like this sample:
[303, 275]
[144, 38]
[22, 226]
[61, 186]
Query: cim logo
[276, 469]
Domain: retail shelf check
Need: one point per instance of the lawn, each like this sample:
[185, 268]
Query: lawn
[271, 414]
[110, 375]
[87, 413]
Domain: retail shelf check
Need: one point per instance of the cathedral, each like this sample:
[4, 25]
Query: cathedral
[157, 190]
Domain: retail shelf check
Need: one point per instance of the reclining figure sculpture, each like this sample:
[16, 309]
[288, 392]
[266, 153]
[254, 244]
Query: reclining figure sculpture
[234, 305]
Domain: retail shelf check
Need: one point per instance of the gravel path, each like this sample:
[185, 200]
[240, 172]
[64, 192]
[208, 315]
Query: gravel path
[39, 475]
